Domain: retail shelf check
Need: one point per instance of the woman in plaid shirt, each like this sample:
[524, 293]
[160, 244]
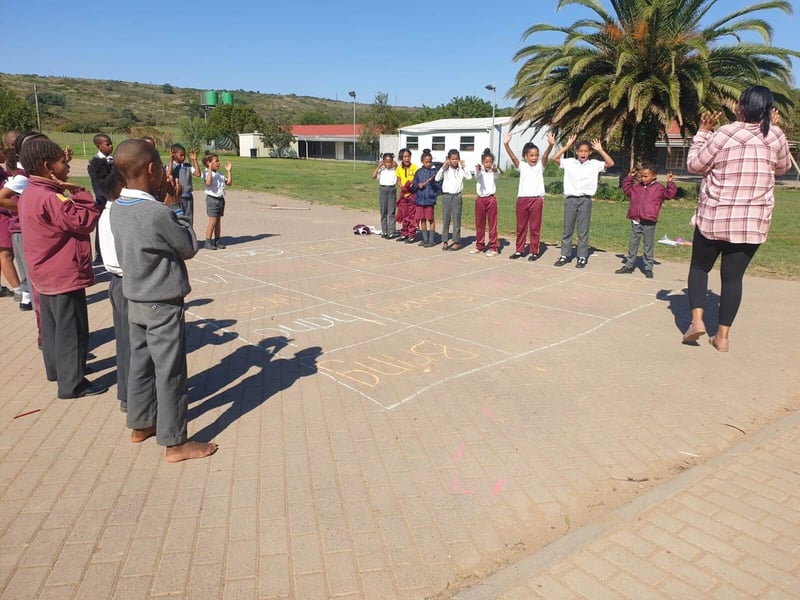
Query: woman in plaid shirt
[738, 162]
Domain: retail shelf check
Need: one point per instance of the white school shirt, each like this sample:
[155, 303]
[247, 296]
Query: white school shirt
[217, 187]
[485, 184]
[107, 249]
[531, 180]
[452, 179]
[387, 176]
[580, 178]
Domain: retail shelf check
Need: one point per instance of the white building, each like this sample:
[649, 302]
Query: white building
[469, 136]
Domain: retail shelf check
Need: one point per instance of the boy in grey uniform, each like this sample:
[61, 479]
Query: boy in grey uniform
[153, 242]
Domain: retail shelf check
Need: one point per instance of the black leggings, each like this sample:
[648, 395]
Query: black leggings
[735, 258]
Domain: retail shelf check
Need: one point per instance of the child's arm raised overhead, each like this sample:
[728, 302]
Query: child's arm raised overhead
[597, 146]
[507, 145]
[556, 158]
[228, 173]
[377, 170]
[196, 170]
[551, 141]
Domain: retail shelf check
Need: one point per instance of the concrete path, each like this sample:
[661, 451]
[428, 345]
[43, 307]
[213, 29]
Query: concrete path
[402, 422]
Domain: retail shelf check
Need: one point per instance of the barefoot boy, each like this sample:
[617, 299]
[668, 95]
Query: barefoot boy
[152, 243]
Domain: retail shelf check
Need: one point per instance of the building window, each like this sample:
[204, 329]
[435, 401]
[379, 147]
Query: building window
[467, 143]
[437, 143]
[412, 142]
[676, 158]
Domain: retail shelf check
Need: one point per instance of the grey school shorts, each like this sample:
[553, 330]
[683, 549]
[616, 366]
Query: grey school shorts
[215, 207]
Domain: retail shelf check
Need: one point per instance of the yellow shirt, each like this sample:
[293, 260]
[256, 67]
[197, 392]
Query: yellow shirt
[405, 175]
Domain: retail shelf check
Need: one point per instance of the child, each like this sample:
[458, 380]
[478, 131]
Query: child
[387, 197]
[580, 184]
[647, 196]
[530, 194]
[58, 249]
[452, 176]
[486, 205]
[9, 197]
[183, 172]
[215, 198]
[426, 190]
[105, 148]
[110, 183]
[406, 211]
[152, 242]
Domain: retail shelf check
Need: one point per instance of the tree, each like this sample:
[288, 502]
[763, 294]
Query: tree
[229, 120]
[648, 63]
[193, 132]
[278, 135]
[379, 119]
[15, 113]
[315, 117]
[466, 107]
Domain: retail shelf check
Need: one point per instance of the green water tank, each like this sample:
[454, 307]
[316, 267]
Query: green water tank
[211, 98]
[227, 97]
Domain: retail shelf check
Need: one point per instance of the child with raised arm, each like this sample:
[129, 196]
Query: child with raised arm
[451, 176]
[486, 205]
[580, 184]
[426, 189]
[215, 198]
[647, 196]
[386, 175]
[530, 196]
[153, 241]
[183, 172]
[406, 210]
[58, 250]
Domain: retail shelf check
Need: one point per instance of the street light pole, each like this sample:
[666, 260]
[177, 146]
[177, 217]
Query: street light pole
[352, 94]
[493, 88]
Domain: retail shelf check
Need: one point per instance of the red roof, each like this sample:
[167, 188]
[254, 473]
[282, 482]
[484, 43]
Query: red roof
[325, 130]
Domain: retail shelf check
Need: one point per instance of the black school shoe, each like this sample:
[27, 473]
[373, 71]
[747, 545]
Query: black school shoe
[87, 389]
[624, 270]
[533, 257]
[562, 260]
[581, 263]
[218, 243]
[648, 274]
[515, 256]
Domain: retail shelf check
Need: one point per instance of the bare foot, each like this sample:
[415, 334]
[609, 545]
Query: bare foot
[190, 450]
[140, 435]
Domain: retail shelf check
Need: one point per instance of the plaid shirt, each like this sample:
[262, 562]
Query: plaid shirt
[739, 166]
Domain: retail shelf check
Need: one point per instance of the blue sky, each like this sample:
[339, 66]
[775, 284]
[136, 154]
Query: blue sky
[416, 53]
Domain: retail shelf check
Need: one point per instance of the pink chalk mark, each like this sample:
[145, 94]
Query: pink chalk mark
[455, 484]
[459, 453]
[498, 487]
[487, 413]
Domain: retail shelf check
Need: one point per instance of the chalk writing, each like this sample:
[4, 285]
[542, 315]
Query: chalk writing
[417, 303]
[262, 303]
[317, 323]
[369, 370]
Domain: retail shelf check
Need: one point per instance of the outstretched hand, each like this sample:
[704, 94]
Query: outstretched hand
[774, 117]
[669, 177]
[507, 138]
[228, 165]
[571, 140]
[597, 145]
[171, 190]
[710, 120]
[551, 139]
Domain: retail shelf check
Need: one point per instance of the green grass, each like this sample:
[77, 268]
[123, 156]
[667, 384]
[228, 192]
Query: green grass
[338, 183]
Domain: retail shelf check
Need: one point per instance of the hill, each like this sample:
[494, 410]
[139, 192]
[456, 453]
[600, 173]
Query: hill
[73, 104]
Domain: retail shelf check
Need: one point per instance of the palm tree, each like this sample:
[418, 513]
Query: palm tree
[635, 70]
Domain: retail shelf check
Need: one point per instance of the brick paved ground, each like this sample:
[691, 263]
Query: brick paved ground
[400, 422]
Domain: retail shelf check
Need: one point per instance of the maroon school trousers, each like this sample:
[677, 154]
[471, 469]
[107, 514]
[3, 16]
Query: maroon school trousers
[406, 216]
[486, 210]
[529, 217]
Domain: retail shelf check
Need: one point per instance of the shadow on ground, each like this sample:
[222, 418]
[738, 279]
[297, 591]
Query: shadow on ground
[273, 374]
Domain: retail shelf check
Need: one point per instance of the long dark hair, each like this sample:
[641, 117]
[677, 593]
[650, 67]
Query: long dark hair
[756, 104]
